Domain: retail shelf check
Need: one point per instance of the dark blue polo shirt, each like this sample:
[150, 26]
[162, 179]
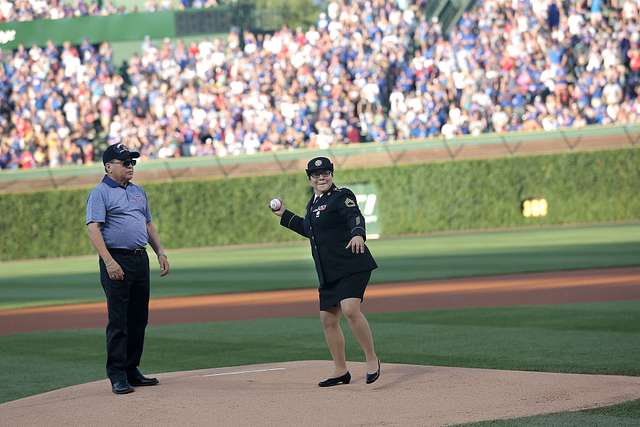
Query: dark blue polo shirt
[122, 211]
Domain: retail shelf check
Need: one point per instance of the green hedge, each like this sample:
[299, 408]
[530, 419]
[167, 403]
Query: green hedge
[477, 194]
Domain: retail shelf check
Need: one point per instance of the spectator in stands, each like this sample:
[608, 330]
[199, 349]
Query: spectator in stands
[368, 71]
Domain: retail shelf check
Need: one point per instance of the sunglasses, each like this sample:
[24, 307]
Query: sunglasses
[324, 174]
[126, 163]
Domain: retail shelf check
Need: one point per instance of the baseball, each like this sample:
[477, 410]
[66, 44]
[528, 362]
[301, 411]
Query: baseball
[275, 204]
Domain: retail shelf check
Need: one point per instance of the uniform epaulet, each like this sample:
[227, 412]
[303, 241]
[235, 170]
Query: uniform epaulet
[337, 189]
[344, 190]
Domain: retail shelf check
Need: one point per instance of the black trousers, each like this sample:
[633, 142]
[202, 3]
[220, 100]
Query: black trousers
[128, 307]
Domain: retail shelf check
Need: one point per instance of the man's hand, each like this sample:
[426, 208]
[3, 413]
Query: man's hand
[114, 270]
[356, 244]
[164, 264]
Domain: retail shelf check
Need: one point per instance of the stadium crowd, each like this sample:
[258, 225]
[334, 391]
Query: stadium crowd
[370, 70]
[28, 10]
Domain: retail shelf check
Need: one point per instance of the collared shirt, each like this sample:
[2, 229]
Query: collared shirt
[123, 212]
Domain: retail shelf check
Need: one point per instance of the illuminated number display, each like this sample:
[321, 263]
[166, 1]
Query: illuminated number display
[534, 207]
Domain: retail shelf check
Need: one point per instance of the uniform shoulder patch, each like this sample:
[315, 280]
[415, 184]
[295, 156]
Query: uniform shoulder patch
[348, 202]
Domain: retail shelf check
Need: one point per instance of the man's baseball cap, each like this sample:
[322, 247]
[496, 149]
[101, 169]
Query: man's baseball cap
[119, 152]
[319, 164]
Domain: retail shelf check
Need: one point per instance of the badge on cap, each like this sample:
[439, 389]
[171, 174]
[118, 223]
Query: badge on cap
[318, 162]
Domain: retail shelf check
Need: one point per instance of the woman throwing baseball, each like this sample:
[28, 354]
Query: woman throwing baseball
[335, 228]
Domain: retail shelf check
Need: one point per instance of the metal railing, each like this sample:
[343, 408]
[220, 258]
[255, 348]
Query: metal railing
[380, 154]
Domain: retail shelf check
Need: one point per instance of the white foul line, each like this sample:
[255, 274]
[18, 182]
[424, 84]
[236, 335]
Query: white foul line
[244, 372]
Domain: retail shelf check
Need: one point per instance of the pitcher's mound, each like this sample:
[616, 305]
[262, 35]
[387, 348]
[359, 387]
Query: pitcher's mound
[286, 394]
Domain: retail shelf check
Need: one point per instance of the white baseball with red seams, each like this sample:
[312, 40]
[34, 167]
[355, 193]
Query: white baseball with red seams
[275, 204]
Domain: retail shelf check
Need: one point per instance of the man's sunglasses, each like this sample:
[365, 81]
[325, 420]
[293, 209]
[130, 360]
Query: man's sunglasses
[126, 163]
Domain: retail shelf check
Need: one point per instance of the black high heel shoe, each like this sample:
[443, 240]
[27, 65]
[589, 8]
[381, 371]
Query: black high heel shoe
[371, 378]
[330, 382]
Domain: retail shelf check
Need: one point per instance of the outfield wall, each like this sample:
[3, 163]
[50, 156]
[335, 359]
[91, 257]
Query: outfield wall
[348, 156]
[587, 187]
[125, 27]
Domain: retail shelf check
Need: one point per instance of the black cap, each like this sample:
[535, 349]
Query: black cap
[319, 164]
[118, 151]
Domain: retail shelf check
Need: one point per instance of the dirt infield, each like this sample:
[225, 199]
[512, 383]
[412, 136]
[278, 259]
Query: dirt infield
[285, 394]
[540, 288]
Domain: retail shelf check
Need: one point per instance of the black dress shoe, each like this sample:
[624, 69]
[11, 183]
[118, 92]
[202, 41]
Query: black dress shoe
[371, 378]
[141, 380]
[121, 387]
[330, 382]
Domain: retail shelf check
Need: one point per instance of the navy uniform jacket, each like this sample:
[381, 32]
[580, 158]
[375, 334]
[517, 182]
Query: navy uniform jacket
[329, 224]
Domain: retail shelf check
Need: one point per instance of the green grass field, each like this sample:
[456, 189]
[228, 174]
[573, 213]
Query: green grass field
[285, 266]
[602, 338]
[624, 415]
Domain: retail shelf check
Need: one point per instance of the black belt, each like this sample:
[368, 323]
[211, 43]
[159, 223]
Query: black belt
[136, 251]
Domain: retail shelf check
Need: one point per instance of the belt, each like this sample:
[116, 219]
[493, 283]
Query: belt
[136, 251]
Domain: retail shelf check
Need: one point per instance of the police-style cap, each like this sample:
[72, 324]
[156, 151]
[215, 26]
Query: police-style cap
[119, 152]
[319, 164]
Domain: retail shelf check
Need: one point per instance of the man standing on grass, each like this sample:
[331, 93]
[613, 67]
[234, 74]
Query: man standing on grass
[119, 226]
